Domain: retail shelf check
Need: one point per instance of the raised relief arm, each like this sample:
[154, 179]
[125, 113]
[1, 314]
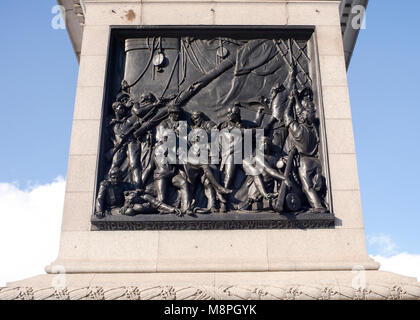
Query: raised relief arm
[259, 117]
[274, 173]
[290, 114]
[271, 171]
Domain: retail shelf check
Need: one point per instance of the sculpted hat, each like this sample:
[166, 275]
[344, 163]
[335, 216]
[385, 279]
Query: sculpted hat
[235, 108]
[305, 91]
[196, 115]
[147, 97]
[174, 108]
[123, 95]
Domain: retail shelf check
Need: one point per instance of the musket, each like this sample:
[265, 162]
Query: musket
[254, 104]
[139, 124]
[292, 87]
[292, 79]
[120, 144]
[279, 203]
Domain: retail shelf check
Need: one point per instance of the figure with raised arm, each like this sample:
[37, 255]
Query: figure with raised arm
[300, 120]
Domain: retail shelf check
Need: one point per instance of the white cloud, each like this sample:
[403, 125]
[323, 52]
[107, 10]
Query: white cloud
[392, 259]
[403, 263]
[383, 244]
[29, 228]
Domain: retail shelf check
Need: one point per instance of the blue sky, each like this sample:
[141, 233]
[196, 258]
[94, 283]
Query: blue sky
[383, 83]
[38, 84]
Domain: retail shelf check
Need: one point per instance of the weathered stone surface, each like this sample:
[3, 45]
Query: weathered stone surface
[321, 285]
[77, 239]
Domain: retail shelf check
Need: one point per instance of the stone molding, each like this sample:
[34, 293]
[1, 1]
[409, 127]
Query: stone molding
[235, 292]
[75, 9]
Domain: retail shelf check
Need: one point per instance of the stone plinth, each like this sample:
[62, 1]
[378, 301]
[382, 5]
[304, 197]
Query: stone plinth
[341, 248]
[314, 285]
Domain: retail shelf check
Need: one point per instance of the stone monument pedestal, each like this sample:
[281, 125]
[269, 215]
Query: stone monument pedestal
[312, 260]
[286, 285]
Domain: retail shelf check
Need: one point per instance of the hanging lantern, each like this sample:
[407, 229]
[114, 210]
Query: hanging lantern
[222, 52]
[158, 61]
